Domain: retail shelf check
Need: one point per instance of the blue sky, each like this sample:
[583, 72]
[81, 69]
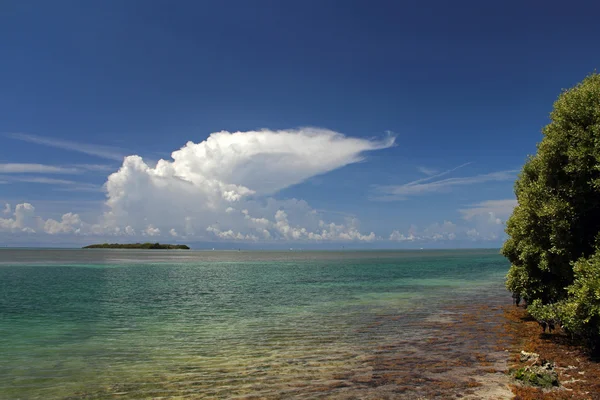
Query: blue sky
[310, 96]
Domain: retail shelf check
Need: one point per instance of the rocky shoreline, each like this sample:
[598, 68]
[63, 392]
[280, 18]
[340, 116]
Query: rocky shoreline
[537, 358]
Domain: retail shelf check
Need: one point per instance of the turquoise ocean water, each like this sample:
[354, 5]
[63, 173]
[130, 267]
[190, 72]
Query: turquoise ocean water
[210, 324]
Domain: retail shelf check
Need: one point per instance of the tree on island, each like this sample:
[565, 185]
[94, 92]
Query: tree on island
[554, 232]
[145, 246]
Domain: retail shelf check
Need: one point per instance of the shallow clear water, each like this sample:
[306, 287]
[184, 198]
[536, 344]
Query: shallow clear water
[187, 324]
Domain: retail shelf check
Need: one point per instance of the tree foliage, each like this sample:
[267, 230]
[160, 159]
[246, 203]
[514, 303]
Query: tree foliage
[145, 246]
[554, 232]
[580, 312]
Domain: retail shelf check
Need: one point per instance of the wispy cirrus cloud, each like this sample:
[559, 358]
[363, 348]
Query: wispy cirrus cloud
[22, 168]
[96, 167]
[44, 180]
[437, 175]
[433, 185]
[62, 184]
[427, 171]
[102, 151]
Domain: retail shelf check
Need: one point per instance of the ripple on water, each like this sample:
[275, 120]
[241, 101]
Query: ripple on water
[366, 328]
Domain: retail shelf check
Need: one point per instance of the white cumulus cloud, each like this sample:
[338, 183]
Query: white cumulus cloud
[222, 189]
[484, 227]
[69, 223]
[200, 190]
[23, 219]
[396, 236]
[151, 231]
[502, 208]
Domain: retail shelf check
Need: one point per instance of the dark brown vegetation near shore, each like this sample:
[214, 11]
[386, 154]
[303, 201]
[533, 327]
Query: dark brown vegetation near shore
[578, 372]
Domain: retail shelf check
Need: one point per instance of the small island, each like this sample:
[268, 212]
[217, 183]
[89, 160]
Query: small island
[143, 246]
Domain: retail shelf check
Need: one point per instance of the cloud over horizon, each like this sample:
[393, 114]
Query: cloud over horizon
[220, 188]
[224, 189]
[483, 221]
[503, 208]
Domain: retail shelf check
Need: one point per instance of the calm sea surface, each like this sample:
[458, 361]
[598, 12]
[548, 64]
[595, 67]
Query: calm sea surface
[210, 324]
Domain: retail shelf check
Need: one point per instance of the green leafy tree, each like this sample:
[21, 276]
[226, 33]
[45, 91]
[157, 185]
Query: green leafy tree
[147, 246]
[557, 219]
[580, 312]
